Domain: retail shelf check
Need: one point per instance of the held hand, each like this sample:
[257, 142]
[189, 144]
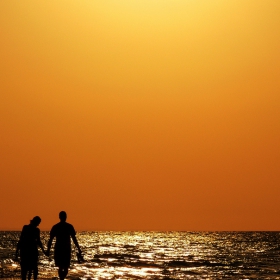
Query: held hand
[80, 257]
[16, 258]
[47, 253]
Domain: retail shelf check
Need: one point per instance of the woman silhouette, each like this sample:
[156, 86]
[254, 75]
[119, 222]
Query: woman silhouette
[28, 248]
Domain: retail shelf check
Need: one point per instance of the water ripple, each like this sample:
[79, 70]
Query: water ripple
[160, 255]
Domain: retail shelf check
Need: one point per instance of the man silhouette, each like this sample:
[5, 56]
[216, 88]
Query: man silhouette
[63, 232]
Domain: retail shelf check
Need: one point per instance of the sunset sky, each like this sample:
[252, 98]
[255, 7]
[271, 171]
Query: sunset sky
[140, 114]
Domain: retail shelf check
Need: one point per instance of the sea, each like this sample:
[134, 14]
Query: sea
[158, 255]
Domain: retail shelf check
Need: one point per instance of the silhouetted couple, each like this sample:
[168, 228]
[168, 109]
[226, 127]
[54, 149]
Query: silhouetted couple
[30, 240]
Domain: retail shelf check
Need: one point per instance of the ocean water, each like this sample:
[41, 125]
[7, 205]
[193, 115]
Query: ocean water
[159, 255]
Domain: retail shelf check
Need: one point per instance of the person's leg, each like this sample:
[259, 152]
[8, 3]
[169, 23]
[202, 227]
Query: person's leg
[65, 272]
[35, 273]
[23, 273]
[62, 272]
[29, 274]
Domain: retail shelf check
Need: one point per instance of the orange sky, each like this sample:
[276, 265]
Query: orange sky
[140, 114]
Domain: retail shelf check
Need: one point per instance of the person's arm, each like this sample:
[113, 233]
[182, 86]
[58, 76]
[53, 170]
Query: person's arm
[50, 243]
[39, 242]
[73, 236]
[19, 244]
[76, 243]
[49, 246]
[17, 250]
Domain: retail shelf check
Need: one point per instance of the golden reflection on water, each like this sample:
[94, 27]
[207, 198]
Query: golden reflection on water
[161, 255]
[131, 255]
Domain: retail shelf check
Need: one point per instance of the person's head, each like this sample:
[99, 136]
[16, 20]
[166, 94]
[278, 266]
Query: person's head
[36, 221]
[62, 216]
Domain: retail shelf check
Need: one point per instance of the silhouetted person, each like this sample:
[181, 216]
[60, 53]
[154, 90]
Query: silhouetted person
[63, 232]
[28, 248]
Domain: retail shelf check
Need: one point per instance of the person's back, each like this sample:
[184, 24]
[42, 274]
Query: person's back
[28, 248]
[63, 232]
[29, 238]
